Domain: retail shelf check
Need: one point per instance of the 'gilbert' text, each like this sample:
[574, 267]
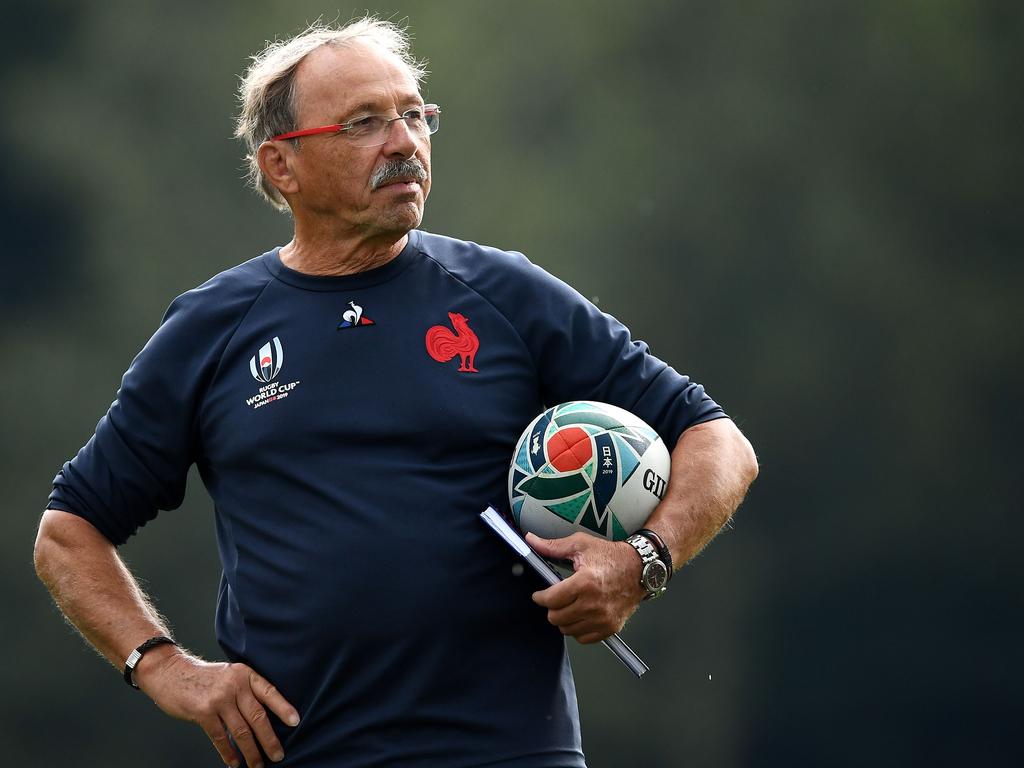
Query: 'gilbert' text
[654, 483]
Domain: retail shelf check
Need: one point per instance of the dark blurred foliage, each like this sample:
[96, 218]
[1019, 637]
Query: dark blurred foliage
[812, 207]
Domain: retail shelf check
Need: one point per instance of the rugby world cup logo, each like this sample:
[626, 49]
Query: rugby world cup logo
[267, 364]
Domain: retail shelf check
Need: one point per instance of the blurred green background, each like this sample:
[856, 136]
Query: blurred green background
[815, 208]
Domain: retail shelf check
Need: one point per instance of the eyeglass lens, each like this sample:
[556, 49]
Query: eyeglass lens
[373, 130]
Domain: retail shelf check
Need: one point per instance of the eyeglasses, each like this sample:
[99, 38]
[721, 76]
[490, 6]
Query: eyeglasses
[373, 130]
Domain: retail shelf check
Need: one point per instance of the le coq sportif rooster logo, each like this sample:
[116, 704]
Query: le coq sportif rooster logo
[354, 318]
[443, 344]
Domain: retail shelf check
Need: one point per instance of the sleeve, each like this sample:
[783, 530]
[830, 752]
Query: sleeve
[582, 353]
[137, 462]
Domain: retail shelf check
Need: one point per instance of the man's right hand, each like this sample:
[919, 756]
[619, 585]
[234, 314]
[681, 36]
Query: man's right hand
[223, 699]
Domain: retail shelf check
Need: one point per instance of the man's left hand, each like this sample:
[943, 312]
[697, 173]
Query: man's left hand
[603, 591]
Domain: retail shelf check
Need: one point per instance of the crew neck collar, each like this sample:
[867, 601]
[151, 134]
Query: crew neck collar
[381, 274]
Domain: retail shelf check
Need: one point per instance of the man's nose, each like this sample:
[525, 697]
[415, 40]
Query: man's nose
[401, 139]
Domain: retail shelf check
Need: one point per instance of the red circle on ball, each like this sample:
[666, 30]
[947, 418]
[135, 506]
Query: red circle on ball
[569, 448]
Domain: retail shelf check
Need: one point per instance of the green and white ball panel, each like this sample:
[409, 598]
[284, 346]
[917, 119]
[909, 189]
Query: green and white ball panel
[587, 466]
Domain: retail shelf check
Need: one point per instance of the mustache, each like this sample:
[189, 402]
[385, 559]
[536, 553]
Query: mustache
[393, 170]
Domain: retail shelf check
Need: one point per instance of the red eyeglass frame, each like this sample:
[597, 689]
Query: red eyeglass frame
[340, 127]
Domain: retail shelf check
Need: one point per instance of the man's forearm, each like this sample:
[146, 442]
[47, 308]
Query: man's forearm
[93, 587]
[713, 464]
[99, 595]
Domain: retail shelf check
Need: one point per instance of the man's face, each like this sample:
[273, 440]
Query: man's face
[336, 179]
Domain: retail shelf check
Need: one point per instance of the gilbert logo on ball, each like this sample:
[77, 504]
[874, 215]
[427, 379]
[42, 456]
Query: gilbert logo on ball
[587, 466]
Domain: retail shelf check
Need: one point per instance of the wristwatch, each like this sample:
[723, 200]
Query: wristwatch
[654, 576]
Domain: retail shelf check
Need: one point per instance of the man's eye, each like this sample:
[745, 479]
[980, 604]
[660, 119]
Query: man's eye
[413, 114]
[363, 124]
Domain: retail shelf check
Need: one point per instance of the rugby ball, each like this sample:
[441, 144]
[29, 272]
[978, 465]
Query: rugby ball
[587, 466]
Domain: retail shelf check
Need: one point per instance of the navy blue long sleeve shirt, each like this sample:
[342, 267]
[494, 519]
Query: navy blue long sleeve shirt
[348, 459]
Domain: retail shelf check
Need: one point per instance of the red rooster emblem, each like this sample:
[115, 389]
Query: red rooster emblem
[443, 345]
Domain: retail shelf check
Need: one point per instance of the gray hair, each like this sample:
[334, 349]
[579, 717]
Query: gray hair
[267, 91]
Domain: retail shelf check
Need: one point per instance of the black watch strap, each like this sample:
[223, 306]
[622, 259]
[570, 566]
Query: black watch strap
[659, 544]
[136, 655]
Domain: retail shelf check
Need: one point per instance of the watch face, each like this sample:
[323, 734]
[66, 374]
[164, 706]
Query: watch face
[655, 575]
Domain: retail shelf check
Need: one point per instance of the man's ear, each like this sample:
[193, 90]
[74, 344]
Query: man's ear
[273, 157]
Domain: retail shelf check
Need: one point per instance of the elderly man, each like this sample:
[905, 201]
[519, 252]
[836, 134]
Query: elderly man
[368, 617]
